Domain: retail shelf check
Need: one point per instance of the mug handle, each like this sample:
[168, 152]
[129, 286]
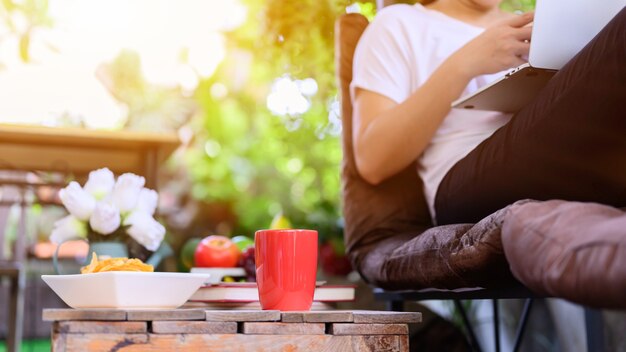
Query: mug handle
[55, 256]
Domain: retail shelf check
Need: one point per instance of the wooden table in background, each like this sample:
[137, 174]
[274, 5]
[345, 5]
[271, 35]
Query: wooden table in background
[77, 151]
[228, 330]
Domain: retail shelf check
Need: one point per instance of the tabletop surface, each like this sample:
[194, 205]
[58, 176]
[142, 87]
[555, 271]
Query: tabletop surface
[32, 134]
[329, 316]
[77, 151]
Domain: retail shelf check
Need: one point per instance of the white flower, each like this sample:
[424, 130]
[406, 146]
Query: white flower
[147, 202]
[126, 191]
[68, 228]
[78, 202]
[100, 183]
[105, 218]
[145, 230]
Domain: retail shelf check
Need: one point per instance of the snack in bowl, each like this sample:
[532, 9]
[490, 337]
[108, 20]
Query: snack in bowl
[115, 264]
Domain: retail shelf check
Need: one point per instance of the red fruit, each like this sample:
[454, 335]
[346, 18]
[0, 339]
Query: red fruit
[332, 262]
[216, 251]
[247, 263]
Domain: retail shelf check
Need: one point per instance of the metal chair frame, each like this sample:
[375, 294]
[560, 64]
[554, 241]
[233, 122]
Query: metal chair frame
[14, 268]
[395, 302]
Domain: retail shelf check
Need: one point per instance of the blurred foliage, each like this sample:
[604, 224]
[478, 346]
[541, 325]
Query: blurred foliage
[518, 5]
[262, 162]
[150, 107]
[23, 18]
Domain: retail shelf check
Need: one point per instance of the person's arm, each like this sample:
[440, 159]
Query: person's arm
[388, 136]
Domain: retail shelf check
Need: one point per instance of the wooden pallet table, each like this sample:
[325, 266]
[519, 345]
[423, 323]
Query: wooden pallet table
[228, 330]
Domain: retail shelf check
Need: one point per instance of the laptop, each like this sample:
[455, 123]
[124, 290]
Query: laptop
[560, 30]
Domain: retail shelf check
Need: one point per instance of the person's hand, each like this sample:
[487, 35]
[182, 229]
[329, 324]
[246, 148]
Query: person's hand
[498, 48]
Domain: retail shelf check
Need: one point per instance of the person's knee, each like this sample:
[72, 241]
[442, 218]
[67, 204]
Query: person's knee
[619, 20]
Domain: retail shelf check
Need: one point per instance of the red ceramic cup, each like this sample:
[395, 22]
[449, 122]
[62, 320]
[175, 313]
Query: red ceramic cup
[286, 267]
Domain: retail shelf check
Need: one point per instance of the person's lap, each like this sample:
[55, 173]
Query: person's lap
[569, 143]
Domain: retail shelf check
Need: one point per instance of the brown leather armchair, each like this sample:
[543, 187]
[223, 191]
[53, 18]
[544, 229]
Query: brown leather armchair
[391, 241]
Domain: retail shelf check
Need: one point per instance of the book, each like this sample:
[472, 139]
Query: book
[248, 305]
[243, 292]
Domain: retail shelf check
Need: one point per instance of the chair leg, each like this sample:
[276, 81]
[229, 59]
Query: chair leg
[522, 324]
[468, 326]
[16, 312]
[595, 330]
[496, 325]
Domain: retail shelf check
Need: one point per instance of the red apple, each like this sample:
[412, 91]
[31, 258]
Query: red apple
[216, 251]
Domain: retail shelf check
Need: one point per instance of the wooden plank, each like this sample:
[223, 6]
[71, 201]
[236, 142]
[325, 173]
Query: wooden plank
[72, 159]
[83, 314]
[328, 316]
[242, 315]
[369, 329]
[100, 342]
[292, 317]
[381, 343]
[227, 343]
[369, 316]
[331, 316]
[57, 341]
[404, 342]
[109, 327]
[193, 327]
[166, 314]
[284, 328]
[81, 137]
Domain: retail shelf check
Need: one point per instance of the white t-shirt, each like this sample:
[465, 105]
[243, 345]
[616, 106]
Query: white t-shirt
[397, 53]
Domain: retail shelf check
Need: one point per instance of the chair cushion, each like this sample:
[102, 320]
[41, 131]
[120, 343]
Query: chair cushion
[443, 257]
[569, 249]
[372, 213]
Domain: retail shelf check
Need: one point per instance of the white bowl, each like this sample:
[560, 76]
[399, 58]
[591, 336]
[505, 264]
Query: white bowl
[125, 289]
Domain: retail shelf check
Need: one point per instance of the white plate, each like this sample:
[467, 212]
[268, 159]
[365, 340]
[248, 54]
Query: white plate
[217, 274]
[125, 289]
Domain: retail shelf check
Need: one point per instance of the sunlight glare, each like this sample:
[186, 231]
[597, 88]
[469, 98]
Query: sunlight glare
[87, 34]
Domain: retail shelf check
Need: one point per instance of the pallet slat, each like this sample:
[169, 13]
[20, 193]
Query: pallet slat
[83, 314]
[242, 315]
[104, 327]
[284, 328]
[369, 329]
[193, 327]
[166, 314]
[373, 317]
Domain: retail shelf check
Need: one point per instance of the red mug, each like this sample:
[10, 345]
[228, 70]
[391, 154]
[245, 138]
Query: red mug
[286, 268]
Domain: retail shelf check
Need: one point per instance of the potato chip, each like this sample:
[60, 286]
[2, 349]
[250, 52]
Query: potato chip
[115, 264]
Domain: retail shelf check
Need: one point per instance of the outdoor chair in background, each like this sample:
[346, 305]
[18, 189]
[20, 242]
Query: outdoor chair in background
[12, 194]
[384, 217]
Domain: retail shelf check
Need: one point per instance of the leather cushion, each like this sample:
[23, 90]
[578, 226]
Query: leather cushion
[443, 257]
[569, 249]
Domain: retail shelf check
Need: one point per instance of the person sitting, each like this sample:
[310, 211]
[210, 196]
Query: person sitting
[568, 143]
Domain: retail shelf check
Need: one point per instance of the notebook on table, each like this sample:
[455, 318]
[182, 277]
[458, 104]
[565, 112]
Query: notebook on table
[243, 292]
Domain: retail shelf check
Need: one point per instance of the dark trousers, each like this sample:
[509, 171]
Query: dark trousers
[569, 143]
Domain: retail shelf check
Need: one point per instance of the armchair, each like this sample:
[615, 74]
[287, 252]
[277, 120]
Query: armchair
[392, 244]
